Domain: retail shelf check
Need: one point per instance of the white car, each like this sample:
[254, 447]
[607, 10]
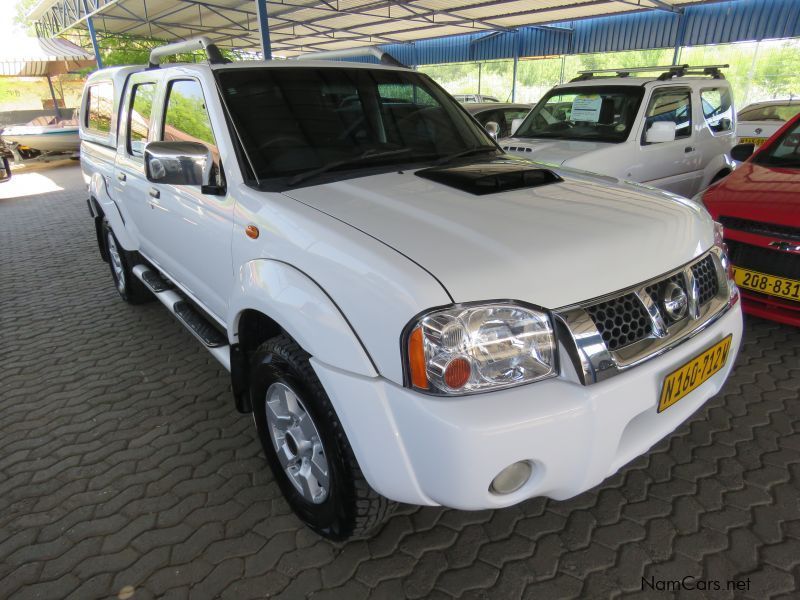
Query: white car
[757, 122]
[410, 314]
[672, 131]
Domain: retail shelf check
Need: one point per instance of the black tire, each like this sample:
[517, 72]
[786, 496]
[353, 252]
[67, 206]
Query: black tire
[129, 287]
[351, 508]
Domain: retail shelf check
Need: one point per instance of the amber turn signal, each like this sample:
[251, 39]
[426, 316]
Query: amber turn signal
[416, 360]
[251, 231]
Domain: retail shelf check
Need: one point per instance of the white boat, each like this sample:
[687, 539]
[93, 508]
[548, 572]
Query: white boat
[47, 139]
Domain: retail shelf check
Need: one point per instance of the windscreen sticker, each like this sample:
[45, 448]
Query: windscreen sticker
[586, 108]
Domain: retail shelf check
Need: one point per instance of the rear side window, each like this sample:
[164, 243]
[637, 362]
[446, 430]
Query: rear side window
[671, 105]
[99, 107]
[717, 109]
[139, 117]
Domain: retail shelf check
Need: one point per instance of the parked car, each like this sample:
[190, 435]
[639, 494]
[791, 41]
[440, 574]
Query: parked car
[479, 98]
[381, 281]
[759, 205]
[759, 121]
[672, 131]
[501, 114]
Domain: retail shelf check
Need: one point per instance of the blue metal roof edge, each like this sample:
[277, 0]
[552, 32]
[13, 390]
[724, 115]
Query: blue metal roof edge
[710, 23]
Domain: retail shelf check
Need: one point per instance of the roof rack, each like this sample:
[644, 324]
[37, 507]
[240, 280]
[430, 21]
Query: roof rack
[384, 57]
[667, 71]
[199, 43]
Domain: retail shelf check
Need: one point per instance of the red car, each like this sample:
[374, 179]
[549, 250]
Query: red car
[759, 206]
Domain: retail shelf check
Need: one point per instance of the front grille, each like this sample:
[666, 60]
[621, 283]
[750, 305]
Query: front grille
[763, 260]
[624, 320]
[768, 229]
[621, 321]
[705, 273]
[633, 324]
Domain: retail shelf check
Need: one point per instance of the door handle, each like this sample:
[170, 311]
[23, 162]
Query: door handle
[688, 149]
[154, 193]
[121, 176]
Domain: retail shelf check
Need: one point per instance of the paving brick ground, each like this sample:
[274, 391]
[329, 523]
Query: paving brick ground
[125, 470]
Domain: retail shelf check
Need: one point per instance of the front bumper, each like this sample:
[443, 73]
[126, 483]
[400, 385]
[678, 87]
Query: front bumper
[446, 451]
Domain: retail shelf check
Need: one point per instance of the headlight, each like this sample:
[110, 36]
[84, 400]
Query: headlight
[719, 235]
[469, 349]
[719, 242]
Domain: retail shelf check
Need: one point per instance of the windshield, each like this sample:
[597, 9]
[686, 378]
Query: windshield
[770, 112]
[783, 152]
[300, 122]
[602, 114]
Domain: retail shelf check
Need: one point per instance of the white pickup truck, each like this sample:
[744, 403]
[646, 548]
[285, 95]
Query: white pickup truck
[410, 314]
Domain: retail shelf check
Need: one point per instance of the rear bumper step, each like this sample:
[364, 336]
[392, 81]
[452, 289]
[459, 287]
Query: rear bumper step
[197, 324]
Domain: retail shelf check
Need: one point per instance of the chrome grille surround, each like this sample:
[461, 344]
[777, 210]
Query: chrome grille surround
[594, 360]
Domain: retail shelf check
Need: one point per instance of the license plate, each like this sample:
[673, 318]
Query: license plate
[752, 140]
[782, 287]
[691, 375]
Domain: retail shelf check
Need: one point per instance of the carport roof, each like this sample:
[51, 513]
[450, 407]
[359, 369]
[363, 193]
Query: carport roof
[299, 26]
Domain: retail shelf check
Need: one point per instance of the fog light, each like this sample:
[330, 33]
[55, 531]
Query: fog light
[511, 478]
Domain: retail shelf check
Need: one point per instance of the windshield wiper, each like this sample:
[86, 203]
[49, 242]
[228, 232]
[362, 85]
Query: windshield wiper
[474, 150]
[366, 155]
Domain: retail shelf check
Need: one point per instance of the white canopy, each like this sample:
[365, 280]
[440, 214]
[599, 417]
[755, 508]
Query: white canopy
[33, 57]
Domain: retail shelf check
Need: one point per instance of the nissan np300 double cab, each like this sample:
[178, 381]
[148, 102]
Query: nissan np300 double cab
[410, 313]
[673, 130]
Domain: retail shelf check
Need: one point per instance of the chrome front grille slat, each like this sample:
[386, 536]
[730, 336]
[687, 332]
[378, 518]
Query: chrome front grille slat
[600, 346]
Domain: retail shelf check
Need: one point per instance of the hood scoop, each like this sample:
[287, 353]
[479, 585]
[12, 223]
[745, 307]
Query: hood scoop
[491, 177]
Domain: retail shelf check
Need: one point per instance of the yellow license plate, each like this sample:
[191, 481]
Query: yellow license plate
[752, 140]
[691, 375]
[782, 287]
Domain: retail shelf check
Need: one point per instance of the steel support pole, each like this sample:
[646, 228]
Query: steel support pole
[263, 27]
[93, 36]
[53, 96]
[516, 60]
[679, 38]
[95, 46]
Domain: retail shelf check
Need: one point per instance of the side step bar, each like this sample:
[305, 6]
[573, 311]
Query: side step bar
[214, 341]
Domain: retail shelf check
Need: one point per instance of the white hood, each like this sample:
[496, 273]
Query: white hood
[555, 152]
[551, 245]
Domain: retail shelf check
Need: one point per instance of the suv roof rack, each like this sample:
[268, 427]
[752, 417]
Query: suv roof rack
[384, 57]
[667, 71]
[199, 43]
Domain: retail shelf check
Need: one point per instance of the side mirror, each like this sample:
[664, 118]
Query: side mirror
[178, 163]
[515, 123]
[492, 128]
[660, 132]
[742, 152]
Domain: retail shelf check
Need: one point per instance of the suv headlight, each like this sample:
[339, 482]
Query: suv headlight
[476, 348]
